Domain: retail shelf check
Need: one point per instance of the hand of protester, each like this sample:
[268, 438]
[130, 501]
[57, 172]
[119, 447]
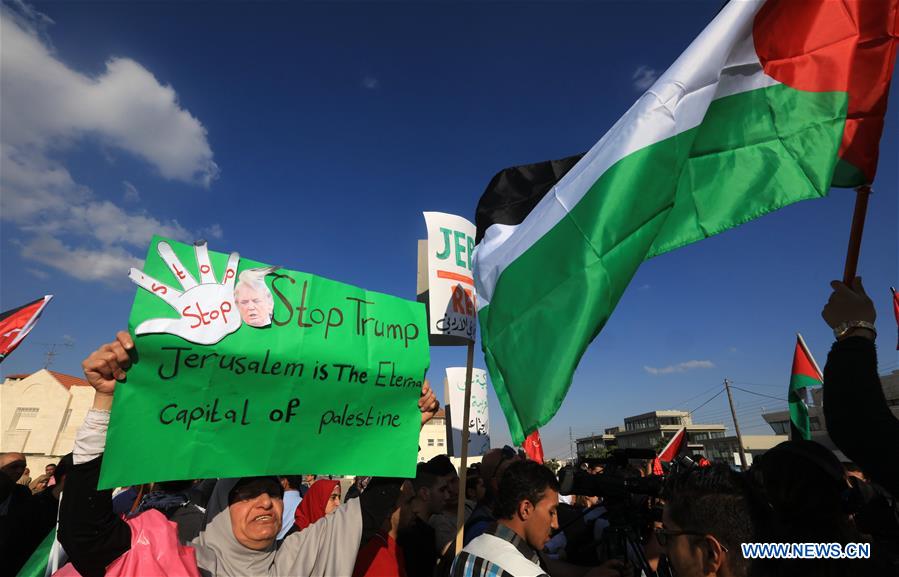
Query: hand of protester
[611, 568]
[108, 364]
[207, 311]
[427, 403]
[848, 304]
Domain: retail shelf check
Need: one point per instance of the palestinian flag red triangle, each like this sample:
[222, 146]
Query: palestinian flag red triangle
[15, 324]
[805, 371]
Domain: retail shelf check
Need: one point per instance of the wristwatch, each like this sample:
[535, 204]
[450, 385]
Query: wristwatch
[842, 329]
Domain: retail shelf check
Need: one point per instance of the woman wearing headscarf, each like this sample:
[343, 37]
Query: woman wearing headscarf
[323, 498]
[243, 515]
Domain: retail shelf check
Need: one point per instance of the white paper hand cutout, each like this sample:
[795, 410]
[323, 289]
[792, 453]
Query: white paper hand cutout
[207, 309]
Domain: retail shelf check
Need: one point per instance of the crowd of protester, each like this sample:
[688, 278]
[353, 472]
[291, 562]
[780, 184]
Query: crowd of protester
[691, 522]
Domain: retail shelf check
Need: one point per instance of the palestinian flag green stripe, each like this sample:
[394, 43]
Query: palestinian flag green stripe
[754, 152]
[803, 381]
[800, 425]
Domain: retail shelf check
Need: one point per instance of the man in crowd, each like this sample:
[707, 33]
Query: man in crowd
[444, 521]
[418, 540]
[291, 485]
[526, 502]
[708, 514]
[28, 519]
[493, 465]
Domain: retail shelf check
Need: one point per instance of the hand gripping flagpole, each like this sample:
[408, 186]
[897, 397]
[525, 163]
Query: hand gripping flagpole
[855, 235]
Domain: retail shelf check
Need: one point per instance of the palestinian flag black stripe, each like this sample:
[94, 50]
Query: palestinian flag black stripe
[514, 192]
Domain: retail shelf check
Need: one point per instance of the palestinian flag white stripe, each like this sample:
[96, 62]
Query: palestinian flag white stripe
[720, 62]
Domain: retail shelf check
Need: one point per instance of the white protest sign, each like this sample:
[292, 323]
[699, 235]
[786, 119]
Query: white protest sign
[478, 418]
[452, 301]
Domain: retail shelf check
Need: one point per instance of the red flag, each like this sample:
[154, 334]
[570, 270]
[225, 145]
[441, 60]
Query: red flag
[671, 451]
[533, 447]
[15, 324]
[896, 312]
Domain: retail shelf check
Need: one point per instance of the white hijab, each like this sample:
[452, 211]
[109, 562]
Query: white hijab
[325, 548]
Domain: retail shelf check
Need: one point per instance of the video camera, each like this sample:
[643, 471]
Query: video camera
[614, 482]
[628, 499]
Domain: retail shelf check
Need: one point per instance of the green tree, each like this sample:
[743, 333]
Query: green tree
[597, 453]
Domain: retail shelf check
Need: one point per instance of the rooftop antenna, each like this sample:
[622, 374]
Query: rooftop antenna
[51, 351]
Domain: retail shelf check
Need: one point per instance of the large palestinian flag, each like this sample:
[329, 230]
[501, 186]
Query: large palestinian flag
[773, 103]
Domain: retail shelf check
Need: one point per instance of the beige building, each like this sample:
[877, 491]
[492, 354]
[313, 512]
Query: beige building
[40, 414]
[652, 430]
[727, 449]
[432, 438]
[432, 442]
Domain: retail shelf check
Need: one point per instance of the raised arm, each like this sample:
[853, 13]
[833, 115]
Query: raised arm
[855, 408]
[92, 535]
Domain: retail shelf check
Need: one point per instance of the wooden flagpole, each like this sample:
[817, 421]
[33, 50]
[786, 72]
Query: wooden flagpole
[463, 467]
[855, 235]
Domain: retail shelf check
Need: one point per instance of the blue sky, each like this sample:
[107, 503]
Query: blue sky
[315, 135]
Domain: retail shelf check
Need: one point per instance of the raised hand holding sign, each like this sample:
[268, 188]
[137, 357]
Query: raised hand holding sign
[207, 311]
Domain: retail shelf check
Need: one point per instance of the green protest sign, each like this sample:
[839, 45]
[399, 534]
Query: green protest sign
[244, 369]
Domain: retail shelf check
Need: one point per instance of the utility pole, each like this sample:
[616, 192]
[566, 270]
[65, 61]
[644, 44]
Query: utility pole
[733, 413]
[570, 445]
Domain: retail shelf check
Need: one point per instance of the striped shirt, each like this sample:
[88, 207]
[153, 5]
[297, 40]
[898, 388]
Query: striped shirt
[499, 552]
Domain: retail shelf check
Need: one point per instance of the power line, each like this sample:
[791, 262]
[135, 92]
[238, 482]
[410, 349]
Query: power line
[707, 402]
[758, 384]
[760, 394]
[684, 402]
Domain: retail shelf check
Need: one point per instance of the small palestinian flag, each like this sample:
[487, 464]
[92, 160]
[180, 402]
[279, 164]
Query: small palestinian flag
[805, 374]
[15, 324]
[533, 447]
[674, 447]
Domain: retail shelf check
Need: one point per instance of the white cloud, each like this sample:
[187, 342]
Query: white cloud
[214, 231]
[41, 274]
[47, 109]
[109, 265]
[644, 77]
[370, 82]
[679, 368]
[131, 192]
[46, 102]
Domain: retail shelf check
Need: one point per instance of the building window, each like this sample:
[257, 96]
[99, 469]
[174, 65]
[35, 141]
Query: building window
[814, 424]
[430, 442]
[716, 435]
[780, 427]
[439, 442]
[23, 416]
